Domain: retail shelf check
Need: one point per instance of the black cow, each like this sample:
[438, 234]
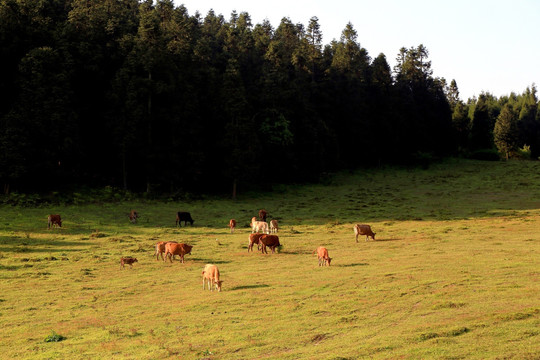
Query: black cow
[185, 217]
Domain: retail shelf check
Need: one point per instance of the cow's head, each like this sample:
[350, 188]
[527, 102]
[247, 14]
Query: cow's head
[329, 260]
[373, 236]
[218, 285]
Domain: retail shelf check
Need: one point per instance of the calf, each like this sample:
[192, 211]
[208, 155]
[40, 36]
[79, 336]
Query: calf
[254, 239]
[232, 225]
[210, 273]
[172, 249]
[133, 216]
[261, 226]
[54, 220]
[272, 241]
[363, 230]
[273, 226]
[185, 217]
[128, 260]
[160, 249]
[262, 214]
[322, 254]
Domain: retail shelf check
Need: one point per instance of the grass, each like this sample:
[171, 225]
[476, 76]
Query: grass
[454, 273]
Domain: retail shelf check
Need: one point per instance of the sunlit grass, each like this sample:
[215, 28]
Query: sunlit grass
[453, 273]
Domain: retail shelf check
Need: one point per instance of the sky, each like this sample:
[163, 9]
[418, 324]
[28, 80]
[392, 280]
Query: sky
[485, 45]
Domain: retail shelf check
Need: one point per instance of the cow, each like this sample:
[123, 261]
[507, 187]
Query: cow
[210, 273]
[54, 220]
[363, 230]
[322, 254]
[273, 227]
[185, 217]
[263, 214]
[172, 249]
[254, 239]
[232, 225]
[272, 241]
[128, 260]
[260, 226]
[133, 216]
[160, 249]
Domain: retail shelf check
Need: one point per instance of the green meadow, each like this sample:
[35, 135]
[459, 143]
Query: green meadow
[454, 272]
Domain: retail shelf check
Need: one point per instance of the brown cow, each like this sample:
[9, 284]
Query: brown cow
[363, 230]
[322, 254]
[273, 227]
[272, 241]
[128, 261]
[254, 239]
[160, 249]
[133, 216]
[172, 249]
[54, 220]
[232, 225]
[210, 273]
[262, 214]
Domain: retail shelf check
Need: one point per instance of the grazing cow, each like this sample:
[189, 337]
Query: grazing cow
[128, 260]
[172, 249]
[363, 230]
[210, 273]
[273, 227]
[260, 226]
[232, 225]
[185, 217]
[54, 220]
[263, 214]
[254, 239]
[322, 254]
[133, 216]
[272, 241]
[160, 249]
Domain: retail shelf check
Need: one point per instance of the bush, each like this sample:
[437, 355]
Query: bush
[54, 337]
[524, 152]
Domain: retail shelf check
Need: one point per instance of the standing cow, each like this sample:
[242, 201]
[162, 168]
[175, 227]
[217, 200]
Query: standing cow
[185, 217]
[262, 214]
[210, 274]
[232, 225]
[254, 239]
[360, 229]
[172, 249]
[272, 241]
[54, 219]
[160, 249]
[322, 254]
[273, 226]
[133, 216]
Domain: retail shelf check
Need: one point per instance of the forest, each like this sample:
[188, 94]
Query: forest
[142, 96]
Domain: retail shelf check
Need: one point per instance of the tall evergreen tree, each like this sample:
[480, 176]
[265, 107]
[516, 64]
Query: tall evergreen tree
[505, 132]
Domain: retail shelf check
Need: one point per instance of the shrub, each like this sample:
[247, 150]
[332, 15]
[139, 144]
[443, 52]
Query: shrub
[54, 337]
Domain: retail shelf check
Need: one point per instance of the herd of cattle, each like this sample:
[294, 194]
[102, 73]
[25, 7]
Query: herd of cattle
[261, 234]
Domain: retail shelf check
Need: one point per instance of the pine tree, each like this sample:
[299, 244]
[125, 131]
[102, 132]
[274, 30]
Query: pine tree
[505, 132]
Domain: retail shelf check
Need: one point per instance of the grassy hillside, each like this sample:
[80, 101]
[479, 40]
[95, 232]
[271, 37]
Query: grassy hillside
[453, 274]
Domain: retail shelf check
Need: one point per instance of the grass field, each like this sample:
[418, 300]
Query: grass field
[453, 273]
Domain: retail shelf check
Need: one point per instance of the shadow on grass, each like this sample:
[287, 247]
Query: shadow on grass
[19, 244]
[244, 287]
[207, 261]
[351, 265]
[390, 239]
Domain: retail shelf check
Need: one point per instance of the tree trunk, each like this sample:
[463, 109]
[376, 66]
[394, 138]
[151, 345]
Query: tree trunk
[6, 188]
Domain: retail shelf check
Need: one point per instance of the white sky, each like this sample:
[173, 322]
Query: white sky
[485, 45]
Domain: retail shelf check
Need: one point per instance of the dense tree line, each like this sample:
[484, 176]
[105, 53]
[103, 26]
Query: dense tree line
[142, 95]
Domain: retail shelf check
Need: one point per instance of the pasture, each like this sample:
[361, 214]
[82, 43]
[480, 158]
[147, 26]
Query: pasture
[453, 274]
